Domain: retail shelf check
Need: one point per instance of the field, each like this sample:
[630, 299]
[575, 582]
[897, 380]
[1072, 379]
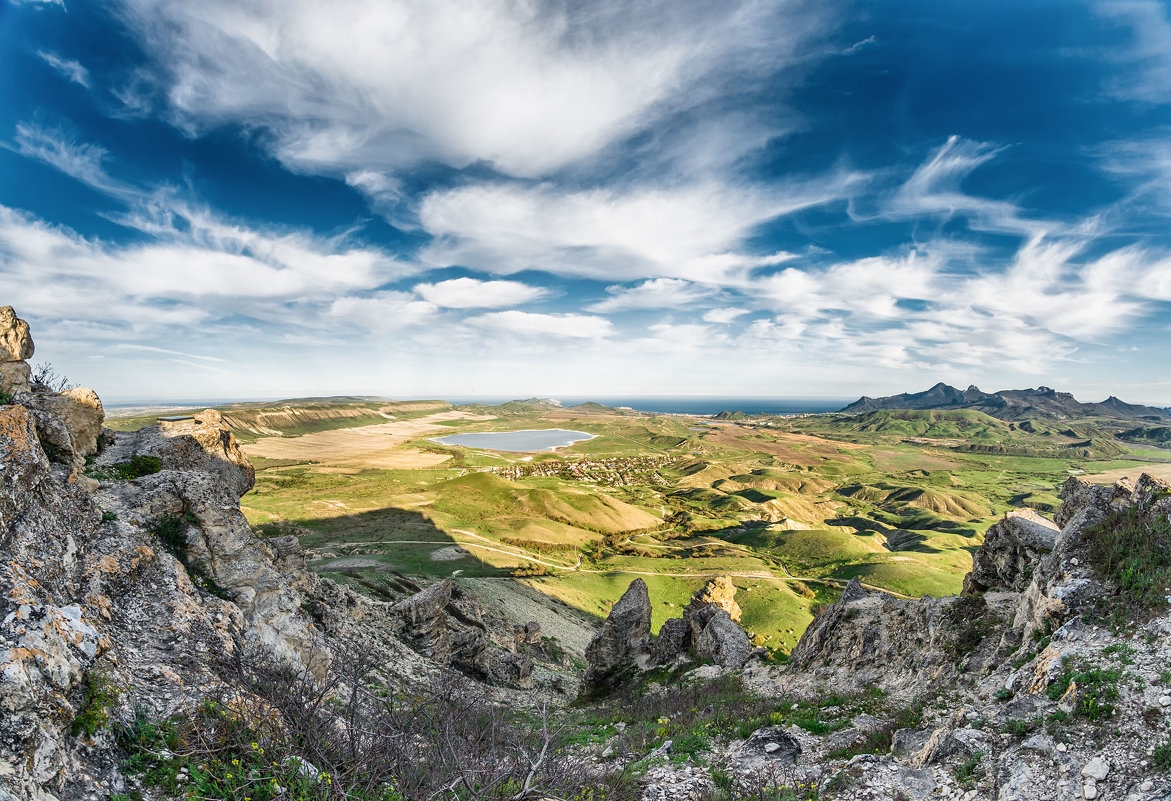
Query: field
[790, 508]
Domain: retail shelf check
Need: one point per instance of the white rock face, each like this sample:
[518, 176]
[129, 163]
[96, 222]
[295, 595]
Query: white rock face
[16, 345]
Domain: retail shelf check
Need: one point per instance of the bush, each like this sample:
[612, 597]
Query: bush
[137, 467]
[1162, 756]
[1133, 550]
[1097, 689]
[44, 378]
[99, 697]
[970, 771]
[272, 731]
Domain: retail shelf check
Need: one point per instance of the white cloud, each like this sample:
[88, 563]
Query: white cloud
[469, 293]
[692, 232]
[528, 324]
[935, 189]
[73, 70]
[1146, 164]
[525, 87]
[166, 351]
[209, 270]
[658, 293]
[382, 312]
[1149, 54]
[79, 160]
[725, 315]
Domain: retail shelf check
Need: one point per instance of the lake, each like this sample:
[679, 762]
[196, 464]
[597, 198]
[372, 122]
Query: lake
[524, 441]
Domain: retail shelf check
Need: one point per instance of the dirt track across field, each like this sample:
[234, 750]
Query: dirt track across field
[365, 446]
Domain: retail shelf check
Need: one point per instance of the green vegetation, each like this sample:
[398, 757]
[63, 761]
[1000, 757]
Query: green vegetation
[1161, 757]
[1133, 550]
[1095, 690]
[171, 532]
[100, 694]
[970, 771]
[216, 754]
[138, 466]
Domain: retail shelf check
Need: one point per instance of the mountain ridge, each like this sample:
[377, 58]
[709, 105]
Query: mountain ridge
[1009, 404]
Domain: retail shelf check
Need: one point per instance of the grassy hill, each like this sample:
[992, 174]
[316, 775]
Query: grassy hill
[250, 421]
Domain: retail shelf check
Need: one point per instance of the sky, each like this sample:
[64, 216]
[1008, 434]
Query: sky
[239, 199]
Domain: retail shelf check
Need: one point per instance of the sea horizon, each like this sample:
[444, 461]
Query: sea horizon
[680, 404]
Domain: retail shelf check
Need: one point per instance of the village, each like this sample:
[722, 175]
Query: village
[615, 472]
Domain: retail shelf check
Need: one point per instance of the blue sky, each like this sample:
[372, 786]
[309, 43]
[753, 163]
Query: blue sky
[281, 197]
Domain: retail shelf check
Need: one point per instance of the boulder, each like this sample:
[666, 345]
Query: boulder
[1010, 553]
[70, 421]
[673, 641]
[14, 377]
[16, 344]
[718, 592]
[622, 639]
[723, 641]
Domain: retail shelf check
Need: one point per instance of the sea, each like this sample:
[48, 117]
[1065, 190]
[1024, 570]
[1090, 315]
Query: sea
[698, 405]
[686, 404]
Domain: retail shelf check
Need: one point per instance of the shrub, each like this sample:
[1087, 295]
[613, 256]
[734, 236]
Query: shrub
[1133, 550]
[970, 771]
[1162, 756]
[1097, 689]
[272, 731]
[46, 379]
[137, 467]
[99, 696]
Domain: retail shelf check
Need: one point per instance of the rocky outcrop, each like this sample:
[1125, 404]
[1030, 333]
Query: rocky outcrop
[719, 592]
[201, 443]
[1011, 551]
[623, 639]
[424, 620]
[68, 423]
[16, 347]
[141, 585]
[707, 630]
[1035, 698]
[85, 595]
[723, 642]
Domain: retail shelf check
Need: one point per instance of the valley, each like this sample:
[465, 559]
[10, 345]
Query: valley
[790, 507]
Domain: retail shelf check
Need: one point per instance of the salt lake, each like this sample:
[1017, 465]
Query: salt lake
[523, 441]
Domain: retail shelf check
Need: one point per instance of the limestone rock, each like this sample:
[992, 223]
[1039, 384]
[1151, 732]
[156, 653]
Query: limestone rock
[70, 422]
[1011, 550]
[623, 637]
[672, 642]
[16, 344]
[201, 443]
[718, 592]
[424, 621]
[723, 641]
[14, 377]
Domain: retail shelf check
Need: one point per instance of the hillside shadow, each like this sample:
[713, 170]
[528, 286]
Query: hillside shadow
[392, 542]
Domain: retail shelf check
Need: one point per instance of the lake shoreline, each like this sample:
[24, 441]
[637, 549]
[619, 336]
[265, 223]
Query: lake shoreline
[538, 440]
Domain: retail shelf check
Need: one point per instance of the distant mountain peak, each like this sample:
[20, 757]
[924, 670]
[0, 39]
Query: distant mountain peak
[1008, 404]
